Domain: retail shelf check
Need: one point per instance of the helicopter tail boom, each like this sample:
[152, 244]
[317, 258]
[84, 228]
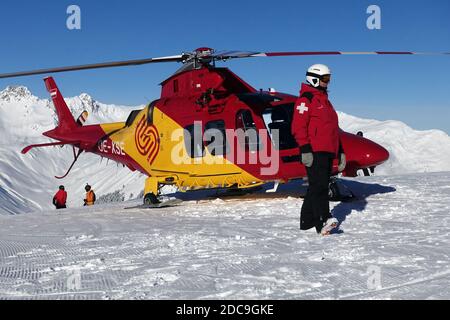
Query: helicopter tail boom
[68, 131]
[66, 122]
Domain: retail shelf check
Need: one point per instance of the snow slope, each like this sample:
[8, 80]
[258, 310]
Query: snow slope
[393, 244]
[410, 150]
[27, 182]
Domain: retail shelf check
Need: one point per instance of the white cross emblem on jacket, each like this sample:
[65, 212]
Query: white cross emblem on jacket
[302, 108]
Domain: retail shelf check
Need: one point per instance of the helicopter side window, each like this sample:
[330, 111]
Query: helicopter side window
[193, 140]
[280, 118]
[216, 138]
[244, 121]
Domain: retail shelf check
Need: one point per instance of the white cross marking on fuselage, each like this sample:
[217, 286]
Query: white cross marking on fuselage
[302, 108]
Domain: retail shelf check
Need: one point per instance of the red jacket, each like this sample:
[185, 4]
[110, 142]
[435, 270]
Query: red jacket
[315, 122]
[60, 198]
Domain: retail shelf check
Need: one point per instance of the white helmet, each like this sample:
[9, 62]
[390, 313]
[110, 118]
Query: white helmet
[316, 73]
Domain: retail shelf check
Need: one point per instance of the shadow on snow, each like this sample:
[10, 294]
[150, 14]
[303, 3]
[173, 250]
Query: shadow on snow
[361, 191]
[294, 189]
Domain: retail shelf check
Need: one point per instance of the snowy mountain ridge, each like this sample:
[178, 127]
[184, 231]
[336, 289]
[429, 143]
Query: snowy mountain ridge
[27, 182]
[411, 151]
[16, 93]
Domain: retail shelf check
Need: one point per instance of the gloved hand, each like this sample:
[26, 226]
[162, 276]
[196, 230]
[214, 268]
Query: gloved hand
[307, 159]
[306, 155]
[342, 162]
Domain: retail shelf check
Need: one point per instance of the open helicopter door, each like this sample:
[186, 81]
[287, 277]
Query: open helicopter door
[279, 118]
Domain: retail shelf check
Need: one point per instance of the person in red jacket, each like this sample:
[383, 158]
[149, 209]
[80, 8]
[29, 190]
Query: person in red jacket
[60, 198]
[316, 130]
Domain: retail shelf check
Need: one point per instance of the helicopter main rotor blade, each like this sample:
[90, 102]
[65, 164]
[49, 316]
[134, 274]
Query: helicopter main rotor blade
[176, 58]
[312, 53]
[225, 55]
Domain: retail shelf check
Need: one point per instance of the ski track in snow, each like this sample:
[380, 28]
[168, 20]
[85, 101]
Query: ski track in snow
[236, 248]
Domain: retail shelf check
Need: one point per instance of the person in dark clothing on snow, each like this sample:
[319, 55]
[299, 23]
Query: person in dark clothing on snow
[366, 171]
[60, 198]
[316, 130]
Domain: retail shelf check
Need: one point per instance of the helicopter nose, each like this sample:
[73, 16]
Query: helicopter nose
[372, 154]
[362, 152]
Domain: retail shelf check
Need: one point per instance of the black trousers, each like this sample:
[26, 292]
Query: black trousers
[316, 207]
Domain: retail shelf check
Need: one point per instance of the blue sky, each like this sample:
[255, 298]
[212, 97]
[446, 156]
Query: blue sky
[413, 89]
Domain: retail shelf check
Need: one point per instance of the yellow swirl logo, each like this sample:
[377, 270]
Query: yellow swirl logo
[147, 140]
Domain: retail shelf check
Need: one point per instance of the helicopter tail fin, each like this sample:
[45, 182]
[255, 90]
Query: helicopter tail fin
[66, 122]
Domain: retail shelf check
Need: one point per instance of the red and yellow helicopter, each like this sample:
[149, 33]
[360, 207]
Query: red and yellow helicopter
[209, 128]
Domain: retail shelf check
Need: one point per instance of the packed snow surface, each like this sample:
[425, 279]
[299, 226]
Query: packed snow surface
[393, 243]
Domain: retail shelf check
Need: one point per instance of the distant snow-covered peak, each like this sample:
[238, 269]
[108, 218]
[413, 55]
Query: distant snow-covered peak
[86, 102]
[16, 93]
[86, 98]
[98, 111]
